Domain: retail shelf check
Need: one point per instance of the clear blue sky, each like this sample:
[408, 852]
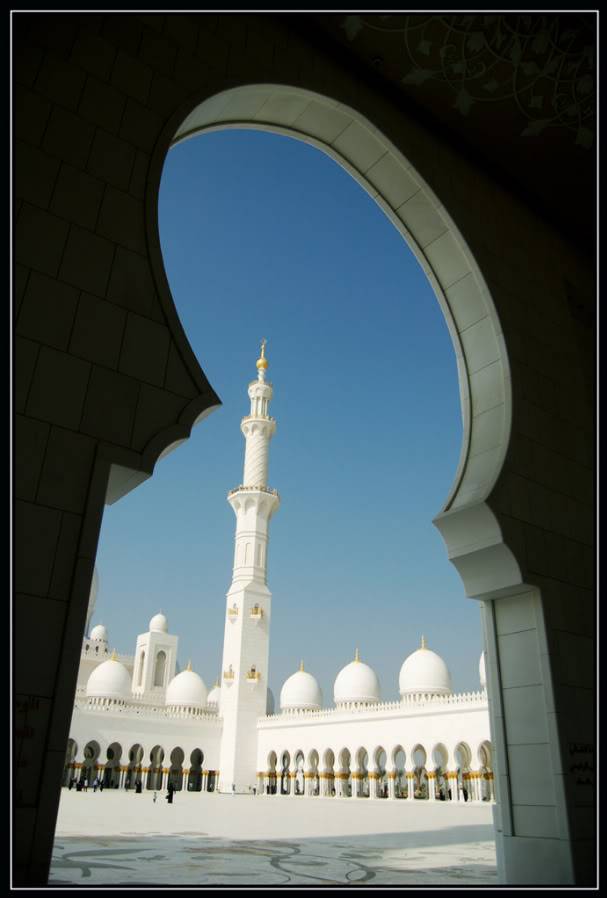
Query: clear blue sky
[265, 236]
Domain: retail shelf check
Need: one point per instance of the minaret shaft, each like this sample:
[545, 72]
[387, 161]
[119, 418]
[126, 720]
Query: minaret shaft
[248, 601]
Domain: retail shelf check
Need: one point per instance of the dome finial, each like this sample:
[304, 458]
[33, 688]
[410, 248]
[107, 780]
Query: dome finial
[114, 656]
[423, 645]
[262, 362]
[357, 655]
[189, 664]
[301, 667]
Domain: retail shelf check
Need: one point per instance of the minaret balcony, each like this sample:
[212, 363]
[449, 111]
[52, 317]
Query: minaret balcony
[228, 676]
[253, 489]
[253, 676]
[256, 613]
[233, 613]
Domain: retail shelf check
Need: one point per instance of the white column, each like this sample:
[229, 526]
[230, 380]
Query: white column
[431, 786]
[391, 784]
[410, 785]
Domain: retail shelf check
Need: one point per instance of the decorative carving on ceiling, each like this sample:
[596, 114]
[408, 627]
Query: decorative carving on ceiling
[544, 64]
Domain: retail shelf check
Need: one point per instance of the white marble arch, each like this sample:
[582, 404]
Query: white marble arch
[469, 528]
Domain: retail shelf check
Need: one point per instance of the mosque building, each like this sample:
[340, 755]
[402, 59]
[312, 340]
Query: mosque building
[139, 723]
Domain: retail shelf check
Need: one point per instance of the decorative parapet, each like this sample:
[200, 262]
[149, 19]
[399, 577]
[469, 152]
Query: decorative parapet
[228, 675]
[256, 612]
[253, 675]
[409, 704]
[233, 612]
[253, 489]
[149, 712]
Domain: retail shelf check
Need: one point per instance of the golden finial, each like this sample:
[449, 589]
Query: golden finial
[262, 361]
[114, 656]
[423, 645]
[216, 686]
[301, 667]
[189, 665]
[357, 655]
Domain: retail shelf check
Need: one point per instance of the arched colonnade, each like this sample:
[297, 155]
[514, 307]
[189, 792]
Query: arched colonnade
[460, 773]
[133, 767]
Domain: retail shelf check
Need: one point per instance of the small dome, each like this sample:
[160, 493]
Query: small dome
[187, 689]
[482, 672]
[214, 695]
[159, 623]
[110, 680]
[301, 691]
[270, 704]
[356, 682]
[99, 633]
[424, 672]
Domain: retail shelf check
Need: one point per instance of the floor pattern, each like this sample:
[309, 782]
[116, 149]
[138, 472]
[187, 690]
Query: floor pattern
[192, 859]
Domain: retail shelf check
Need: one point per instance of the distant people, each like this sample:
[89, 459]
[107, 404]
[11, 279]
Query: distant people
[138, 787]
[155, 797]
[101, 785]
[72, 783]
[465, 793]
[169, 796]
[78, 786]
[85, 785]
[95, 784]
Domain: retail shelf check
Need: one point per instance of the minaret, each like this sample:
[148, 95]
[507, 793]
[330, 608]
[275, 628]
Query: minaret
[244, 682]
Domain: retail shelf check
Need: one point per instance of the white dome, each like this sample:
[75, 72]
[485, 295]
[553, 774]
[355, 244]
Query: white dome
[424, 672]
[99, 633]
[482, 672]
[302, 691]
[110, 680]
[214, 695]
[356, 682]
[159, 623]
[187, 689]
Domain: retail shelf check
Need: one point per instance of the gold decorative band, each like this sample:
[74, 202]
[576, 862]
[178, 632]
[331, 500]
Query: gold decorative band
[392, 775]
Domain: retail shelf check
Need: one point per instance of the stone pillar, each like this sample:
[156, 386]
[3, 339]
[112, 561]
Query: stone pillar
[292, 775]
[410, 785]
[205, 780]
[452, 779]
[431, 785]
[392, 775]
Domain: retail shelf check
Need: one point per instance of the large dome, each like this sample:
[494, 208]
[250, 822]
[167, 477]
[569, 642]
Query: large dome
[187, 690]
[110, 680]
[301, 692]
[482, 671]
[424, 672]
[159, 623]
[99, 633]
[356, 682]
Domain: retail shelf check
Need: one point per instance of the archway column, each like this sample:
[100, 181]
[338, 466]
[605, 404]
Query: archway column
[392, 776]
[431, 785]
[373, 783]
[205, 780]
[309, 780]
[410, 785]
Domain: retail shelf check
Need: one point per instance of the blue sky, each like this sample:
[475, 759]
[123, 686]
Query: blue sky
[265, 236]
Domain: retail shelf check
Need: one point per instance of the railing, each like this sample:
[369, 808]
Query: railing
[253, 489]
[408, 704]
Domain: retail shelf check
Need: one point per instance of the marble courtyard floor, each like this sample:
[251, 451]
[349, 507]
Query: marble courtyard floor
[119, 838]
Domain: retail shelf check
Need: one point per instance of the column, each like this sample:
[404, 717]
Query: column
[205, 780]
[431, 785]
[292, 775]
[392, 775]
[373, 784]
[455, 793]
[410, 785]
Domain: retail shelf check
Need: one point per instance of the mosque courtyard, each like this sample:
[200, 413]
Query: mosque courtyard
[120, 838]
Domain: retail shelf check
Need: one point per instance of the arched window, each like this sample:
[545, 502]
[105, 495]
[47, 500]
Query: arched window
[159, 670]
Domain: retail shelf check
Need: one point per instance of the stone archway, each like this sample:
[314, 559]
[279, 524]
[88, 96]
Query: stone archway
[528, 265]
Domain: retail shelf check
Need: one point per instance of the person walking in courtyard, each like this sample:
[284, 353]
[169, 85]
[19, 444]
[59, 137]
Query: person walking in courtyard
[85, 785]
[95, 784]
